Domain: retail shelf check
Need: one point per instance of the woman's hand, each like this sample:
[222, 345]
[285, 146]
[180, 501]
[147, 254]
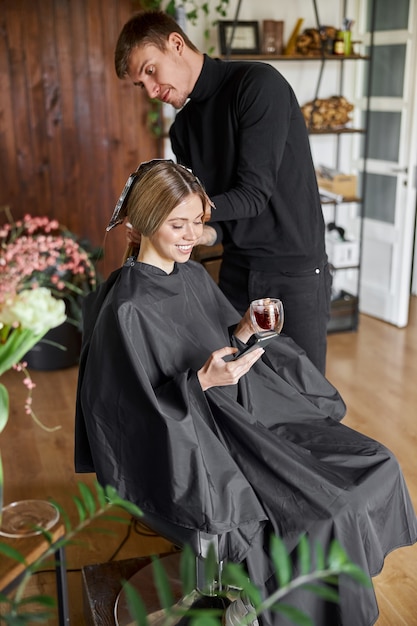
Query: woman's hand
[219, 373]
[245, 328]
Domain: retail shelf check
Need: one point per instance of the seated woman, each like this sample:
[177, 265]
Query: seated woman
[241, 448]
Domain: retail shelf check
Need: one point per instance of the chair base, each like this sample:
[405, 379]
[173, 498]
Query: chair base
[143, 582]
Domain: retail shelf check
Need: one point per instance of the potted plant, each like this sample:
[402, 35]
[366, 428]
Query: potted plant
[39, 252]
[192, 8]
[25, 317]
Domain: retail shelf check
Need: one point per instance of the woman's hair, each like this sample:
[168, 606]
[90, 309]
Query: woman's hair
[161, 185]
[145, 28]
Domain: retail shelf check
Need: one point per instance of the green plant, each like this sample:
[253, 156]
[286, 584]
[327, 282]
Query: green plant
[15, 610]
[193, 8]
[26, 315]
[326, 571]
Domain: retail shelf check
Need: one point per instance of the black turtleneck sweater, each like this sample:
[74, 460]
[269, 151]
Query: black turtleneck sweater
[243, 134]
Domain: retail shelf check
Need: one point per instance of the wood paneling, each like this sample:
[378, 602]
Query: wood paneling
[70, 131]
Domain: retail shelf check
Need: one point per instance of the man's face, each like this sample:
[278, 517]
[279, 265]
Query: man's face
[164, 75]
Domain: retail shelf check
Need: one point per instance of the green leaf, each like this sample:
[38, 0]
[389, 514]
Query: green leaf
[101, 497]
[45, 534]
[82, 513]
[88, 499]
[47, 601]
[170, 8]
[320, 558]
[4, 599]
[204, 619]
[355, 572]
[1, 483]
[211, 566]
[303, 559]
[336, 557]
[4, 406]
[130, 508]
[295, 615]
[20, 341]
[235, 575]
[187, 570]
[281, 561]
[114, 499]
[12, 553]
[111, 493]
[162, 584]
[323, 591]
[63, 515]
[115, 518]
[136, 606]
[27, 618]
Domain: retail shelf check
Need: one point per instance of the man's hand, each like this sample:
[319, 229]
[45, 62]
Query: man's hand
[209, 236]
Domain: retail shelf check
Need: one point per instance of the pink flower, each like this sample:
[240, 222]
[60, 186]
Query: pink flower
[37, 251]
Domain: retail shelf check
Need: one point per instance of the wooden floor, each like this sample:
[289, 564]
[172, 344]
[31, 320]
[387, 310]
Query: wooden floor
[375, 369]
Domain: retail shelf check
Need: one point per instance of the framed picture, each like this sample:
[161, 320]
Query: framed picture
[245, 37]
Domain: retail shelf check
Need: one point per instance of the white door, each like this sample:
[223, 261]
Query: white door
[389, 184]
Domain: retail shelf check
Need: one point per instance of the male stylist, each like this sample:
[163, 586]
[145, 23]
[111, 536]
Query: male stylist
[241, 131]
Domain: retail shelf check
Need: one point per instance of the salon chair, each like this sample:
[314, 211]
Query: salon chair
[206, 593]
[200, 543]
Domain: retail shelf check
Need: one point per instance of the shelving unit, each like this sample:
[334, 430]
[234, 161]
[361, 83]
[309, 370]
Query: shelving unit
[345, 305]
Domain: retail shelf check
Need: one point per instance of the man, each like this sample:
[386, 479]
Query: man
[241, 131]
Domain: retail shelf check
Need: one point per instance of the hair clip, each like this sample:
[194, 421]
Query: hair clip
[120, 210]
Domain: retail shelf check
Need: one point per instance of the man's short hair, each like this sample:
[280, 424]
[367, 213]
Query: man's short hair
[145, 28]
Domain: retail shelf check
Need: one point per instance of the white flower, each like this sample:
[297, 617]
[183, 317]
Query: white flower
[33, 309]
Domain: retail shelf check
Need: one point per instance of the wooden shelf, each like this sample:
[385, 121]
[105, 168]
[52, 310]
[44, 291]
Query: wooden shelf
[346, 200]
[336, 131]
[292, 57]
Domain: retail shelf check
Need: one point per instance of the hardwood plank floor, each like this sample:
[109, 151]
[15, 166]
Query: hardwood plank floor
[375, 369]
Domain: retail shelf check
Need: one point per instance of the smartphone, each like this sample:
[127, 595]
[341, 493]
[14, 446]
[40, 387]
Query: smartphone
[258, 340]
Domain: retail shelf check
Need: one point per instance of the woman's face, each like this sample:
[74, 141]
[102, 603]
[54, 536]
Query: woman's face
[176, 237]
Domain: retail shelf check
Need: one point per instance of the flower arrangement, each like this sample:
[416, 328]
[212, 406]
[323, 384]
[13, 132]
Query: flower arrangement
[44, 273]
[39, 252]
[25, 317]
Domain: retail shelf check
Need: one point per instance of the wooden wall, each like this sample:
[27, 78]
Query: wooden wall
[70, 131]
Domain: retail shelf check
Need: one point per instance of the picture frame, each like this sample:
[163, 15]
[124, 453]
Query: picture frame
[245, 37]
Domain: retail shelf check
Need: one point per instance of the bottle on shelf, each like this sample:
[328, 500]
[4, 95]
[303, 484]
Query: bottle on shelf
[339, 44]
[342, 45]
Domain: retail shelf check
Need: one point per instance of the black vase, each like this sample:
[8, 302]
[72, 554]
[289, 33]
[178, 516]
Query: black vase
[44, 356]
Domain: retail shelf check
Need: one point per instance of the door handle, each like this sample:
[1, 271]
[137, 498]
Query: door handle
[399, 170]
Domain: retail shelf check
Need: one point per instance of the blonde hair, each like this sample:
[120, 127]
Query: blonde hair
[161, 187]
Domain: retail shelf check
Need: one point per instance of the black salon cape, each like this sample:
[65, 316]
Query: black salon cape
[266, 455]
